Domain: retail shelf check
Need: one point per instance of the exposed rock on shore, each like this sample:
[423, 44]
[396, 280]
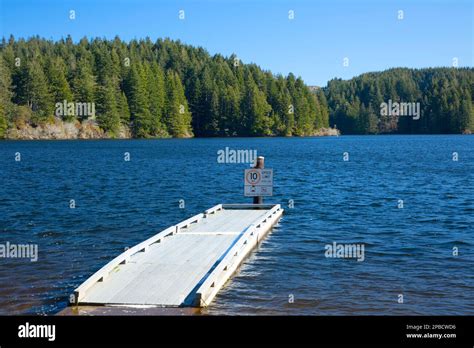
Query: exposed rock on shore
[64, 130]
[322, 132]
[89, 129]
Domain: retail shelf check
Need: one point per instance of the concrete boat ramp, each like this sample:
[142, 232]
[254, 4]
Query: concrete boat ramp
[183, 266]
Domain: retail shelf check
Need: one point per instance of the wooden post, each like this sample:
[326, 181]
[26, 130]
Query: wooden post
[260, 165]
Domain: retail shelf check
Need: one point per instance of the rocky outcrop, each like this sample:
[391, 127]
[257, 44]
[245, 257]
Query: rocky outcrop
[64, 130]
[322, 132]
[89, 129]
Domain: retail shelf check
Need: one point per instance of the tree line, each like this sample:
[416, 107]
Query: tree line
[445, 97]
[154, 89]
[169, 89]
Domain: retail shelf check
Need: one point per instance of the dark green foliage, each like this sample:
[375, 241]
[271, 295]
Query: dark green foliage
[257, 111]
[156, 98]
[177, 115]
[108, 109]
[58, 84]
[162, 88]
[84, 84]
[33, 91]
[166, 88]
[122, 108]
[137, 95]
[444, 94]
[5, 96]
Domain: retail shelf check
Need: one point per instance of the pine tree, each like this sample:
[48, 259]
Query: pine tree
[208, 119]
[222, 97]
[303, 116]
[84, 84]
[439, 92]
[3, 121]
[122, 108]
[466, 114]
[257, 111]
[138, 103]
[108, 115]
[33, 91]
[177, 115]
[231, 110]
[156, 98]
[367, 121]
[58, 85]
[196, 104]
[5, 96]
[324, 110]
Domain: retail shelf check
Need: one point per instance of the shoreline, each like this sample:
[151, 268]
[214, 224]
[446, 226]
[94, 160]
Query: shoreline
[231, 137]
[90, 130]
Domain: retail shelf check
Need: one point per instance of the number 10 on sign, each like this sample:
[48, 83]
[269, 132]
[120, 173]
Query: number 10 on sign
[258, 182]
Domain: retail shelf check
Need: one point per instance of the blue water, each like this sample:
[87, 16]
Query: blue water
[408, 251]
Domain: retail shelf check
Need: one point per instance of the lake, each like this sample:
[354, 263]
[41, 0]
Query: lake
[403, 198]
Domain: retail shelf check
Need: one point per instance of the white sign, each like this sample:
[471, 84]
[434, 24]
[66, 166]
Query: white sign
[258, 182]
[251, 191]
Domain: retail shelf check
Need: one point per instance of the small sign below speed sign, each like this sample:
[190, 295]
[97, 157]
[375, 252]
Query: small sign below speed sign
[258, 182]
[253, 176]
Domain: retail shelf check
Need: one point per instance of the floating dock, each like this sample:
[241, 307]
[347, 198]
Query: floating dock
[186, 264]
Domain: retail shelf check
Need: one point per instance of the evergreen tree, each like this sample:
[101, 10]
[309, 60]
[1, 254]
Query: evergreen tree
[5, 96]
[154, 88]
[177, 115]
[122, 108]
[444, 106]
[257, 110]
[58, 84]
[156, 98]
[84, 84]
[108, 115]
[196, 104]
[33, 91]
[324, 111]
[138, 103]
[466, 114]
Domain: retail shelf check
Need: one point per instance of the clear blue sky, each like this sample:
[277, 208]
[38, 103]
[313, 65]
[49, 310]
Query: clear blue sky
[312, 45]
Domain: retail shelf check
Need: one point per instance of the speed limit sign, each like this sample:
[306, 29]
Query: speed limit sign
[252, 176]
[258, 182]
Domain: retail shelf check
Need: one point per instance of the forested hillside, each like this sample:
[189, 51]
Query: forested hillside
[445, 95]
[154, 89]
[169, 89]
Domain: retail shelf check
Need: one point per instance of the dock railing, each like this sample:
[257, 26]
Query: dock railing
[233, 258]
